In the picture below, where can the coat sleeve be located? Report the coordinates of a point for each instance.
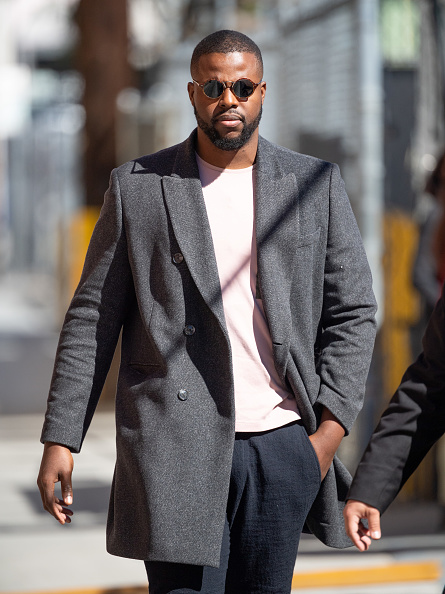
(424, 270)
(91, 328)
(412, 423)
(348, 319)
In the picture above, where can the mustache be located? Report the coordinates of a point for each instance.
(228, 112)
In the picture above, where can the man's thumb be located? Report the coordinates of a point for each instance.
(67, 490)
(374, 524)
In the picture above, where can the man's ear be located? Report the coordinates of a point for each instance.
(191, 92)
(263, 91)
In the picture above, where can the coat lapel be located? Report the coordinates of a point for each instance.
(185, 203)
(276, 226)
(277, 229)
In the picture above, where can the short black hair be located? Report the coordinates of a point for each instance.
(226, 42)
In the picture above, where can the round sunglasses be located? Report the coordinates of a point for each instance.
(241, 88)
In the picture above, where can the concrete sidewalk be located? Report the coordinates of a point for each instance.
(39, 555)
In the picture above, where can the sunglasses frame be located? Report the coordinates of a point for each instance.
(228, 84)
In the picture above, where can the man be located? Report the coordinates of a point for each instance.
(237, 272)
(412, 423)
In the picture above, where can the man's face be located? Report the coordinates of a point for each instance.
(227, 121)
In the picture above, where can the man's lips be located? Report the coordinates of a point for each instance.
(228, 120)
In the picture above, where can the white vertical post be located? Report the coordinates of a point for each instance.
(371, 145)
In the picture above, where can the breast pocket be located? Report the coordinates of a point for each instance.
(308, 275)
(309, 256)
(309, 239)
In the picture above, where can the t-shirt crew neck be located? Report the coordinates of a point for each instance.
(262, 402)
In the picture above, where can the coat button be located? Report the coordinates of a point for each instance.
(189, 330)
(178, 258)
(183, 395)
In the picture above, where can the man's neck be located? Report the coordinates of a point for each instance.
(239, 159)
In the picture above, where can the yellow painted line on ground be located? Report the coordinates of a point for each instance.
(123, 590)
(359, 576)
(380, 574)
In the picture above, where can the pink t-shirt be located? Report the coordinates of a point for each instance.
(261, 400)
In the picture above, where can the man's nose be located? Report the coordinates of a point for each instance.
(228, 97)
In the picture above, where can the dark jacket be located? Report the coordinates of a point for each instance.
(412, 423)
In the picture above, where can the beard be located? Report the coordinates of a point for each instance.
(224, 143)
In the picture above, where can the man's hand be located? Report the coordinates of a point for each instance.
(57, 465)
(353, 513)
(326, 440)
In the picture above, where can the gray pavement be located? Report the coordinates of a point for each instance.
(38, 555)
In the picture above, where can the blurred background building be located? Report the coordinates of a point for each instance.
(87, 85)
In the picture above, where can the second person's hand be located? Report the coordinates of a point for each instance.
(353, 513)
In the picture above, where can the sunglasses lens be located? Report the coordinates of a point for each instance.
(243, 88)
(213, 89)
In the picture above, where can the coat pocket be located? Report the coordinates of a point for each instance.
(143, 354)
(309, 239)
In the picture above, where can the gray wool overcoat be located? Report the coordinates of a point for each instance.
(151, 271)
